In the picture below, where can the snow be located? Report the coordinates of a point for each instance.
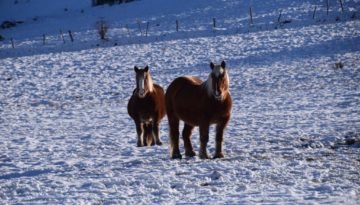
(294, 134)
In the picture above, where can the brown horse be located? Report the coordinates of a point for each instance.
(147, 107)
(200, 104)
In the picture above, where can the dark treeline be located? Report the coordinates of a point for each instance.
(111, 2)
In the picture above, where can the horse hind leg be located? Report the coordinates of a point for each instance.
(174, 137)
(148, 136)
(156, 133)
(189, 151)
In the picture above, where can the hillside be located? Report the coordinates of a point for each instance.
(294, 134)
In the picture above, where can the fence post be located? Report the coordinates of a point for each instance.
(44, 39)
(327, 7)
(147, 28)
(214, 22)
(128, 30)
(71, 36)
(140, 27)
(314, 12)
(62, 36)
(177, 25)
(342, 6)
(12, 43)
(279, 16)
(251, 17)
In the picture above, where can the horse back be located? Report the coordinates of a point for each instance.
(187, 83)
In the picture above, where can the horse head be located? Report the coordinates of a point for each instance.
(144, 82)
(218, 81)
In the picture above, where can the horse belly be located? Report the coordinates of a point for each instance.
(146, 119)
(190, 120)
(190, 114)
(146, 112)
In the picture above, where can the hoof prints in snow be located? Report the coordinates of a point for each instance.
(66, 137)
(30, 173)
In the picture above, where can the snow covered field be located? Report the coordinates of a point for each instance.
(294, 135)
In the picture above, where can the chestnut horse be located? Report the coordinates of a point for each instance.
(147, 107)
(200, 104)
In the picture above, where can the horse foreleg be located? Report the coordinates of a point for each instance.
(156, 133)
(174, 137)
(189, 151)
(148, 135)
(219, 140)
(140, 133)
(204, 138)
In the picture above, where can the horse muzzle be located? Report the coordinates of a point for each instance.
(218, 96)
(141, 93)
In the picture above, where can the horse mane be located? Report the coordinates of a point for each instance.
(150, 82)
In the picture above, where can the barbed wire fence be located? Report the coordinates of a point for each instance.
(139, 31)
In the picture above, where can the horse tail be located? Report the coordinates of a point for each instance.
(173, 120)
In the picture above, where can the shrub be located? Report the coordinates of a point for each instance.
(102, 28)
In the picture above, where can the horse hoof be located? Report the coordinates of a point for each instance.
(176, 156)
(218, 155)
(204, 156)
(190, 154)
(159, 143)
(139, 145)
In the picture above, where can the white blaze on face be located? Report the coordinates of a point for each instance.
(218, 70)
(216, 90)
(141, 86)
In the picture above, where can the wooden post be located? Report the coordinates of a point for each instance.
(147, 28)
(71, 36)
(44, 39)
(177, 25)
(128, 30)
(327, 7)
(62, 36)
(314, 12)
(279, 16)
(251, 17)
(342, 6)
(12, 43)
(140, 27)
(214, 22)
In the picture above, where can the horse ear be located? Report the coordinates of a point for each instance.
(212, 66)
(223, 64)
(146, 68)
(136, 69)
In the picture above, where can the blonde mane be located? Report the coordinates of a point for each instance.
(150, 83)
